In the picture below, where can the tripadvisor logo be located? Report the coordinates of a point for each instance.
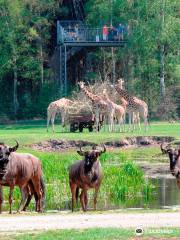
(139, 231)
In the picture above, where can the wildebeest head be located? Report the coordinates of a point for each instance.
(5, 151)
(174, 155)
(91, 156)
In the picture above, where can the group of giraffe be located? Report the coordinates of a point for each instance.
(103, 105)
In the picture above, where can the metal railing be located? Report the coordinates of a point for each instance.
(74, 33)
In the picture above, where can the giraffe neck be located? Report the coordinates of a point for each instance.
(106, 98)
(90, 95)
(124, 94)
(124, 103)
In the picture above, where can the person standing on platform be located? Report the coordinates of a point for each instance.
(120, 31)
(105, 32)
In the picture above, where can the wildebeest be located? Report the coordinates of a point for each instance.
(23, 170)
(174, 157)
(86, 174)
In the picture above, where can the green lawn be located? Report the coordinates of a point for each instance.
(98, 234)
(30, 132)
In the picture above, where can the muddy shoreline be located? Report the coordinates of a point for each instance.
(65, 145)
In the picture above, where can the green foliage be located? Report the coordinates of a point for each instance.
(25, 34)
(125, 183)
(28, 40)
(139, 62)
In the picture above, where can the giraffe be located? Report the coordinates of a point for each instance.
(134, 117)
(135, 106)
(114, 110)
(61, 106)
(98, 104)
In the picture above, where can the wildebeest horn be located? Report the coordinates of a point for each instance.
(81, 152)
(165, 148)
(80, 148)
(104, 150)
(13, 149)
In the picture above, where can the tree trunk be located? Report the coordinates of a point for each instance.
(15, 101)
(41, 63)
(162, 73)
(162, 82)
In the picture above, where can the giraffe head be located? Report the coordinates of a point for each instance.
(104, 93)
(81, 84)
(120, 83)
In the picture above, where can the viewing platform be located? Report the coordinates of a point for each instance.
(74, 38)
(77, 34)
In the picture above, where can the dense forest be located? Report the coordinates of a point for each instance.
(149, 62)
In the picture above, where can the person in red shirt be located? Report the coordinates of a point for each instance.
(105, 32)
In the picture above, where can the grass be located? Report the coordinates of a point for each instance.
(36, 132)
(129, 189)
(123, 185)
(98, 234)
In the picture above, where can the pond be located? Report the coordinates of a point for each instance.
(165, 195)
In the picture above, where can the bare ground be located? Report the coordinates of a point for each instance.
(64, 145)
(20, 223)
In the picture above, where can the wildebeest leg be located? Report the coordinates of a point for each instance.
(11, 198)
(31, 192)
(29, 197)
(73, 193)
(82, 200)
(95, 196)
(1, 198)
(24, 194)
(85, 199)
(37, 188)
(178, 182)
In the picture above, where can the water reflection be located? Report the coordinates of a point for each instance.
(165, 194)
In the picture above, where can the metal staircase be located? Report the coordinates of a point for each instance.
(62, 69)
(65, 53)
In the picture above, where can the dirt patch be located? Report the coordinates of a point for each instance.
(63, 145)
(155, 170)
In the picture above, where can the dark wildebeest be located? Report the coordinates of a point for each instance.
(86, 174)
(174, 157)
(23, 170)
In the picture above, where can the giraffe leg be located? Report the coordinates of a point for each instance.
(119, 124)
(144, 113)
(63, 120)
(112, 113)
(146, 124)
(48, 118)
(52, 119)
(134, 121)
(110, 123)
(124, 122)
(139, 122)
(97, 120)
(130, 116)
